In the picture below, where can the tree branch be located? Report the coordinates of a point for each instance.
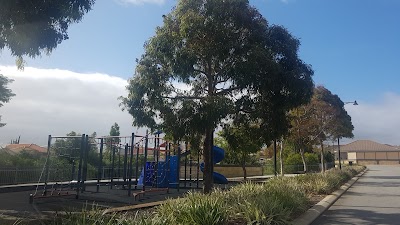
(224, 91)
(183, 97)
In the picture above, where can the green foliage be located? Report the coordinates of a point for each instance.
(270, 203)
(329, 157)
(293, 161)
(277, 201)
(30, 28)
(196, 209)
(321, 119)
(326, 183)
(241, 144)
(5, 92)
(311, 158)
(93, 216)
(203, 66)
(25, 159)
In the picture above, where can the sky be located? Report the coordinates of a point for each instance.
(352, 45)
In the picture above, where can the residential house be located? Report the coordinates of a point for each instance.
(14, 149)
(369, 152)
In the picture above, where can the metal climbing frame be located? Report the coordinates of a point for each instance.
(59, 176)
(143, 163)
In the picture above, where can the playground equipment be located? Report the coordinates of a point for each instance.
(137, 164)
(218, 156)
(60, 166)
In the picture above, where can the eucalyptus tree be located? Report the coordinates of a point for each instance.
(30, 28)
(5, 93)
(209, 61)
(323, 118)
(331, 119)
(290, 86)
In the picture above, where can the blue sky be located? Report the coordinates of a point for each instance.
(352, 45)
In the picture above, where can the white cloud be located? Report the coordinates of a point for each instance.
(141, 2)
(379, 121)
(52, 101)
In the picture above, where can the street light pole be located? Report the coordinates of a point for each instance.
(354, 103)
(338, 145)
(338, 142)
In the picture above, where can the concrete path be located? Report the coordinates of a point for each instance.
(373, 199)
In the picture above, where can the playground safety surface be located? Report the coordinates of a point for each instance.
(14, 203)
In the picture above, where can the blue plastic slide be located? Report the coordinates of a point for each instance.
(219, 155)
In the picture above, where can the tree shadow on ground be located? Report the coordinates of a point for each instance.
(357, 216)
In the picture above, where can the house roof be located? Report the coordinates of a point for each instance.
(367, 146)
(17, 148)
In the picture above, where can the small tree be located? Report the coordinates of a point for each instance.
(324, 117)
(110, 142)
(5, 93)
(242, 141)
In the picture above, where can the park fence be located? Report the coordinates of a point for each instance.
(31, 175)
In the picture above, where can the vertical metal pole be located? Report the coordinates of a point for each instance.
(275, 164)
(179, 167)
(168, 161)
(340, 159)
(119, 162)
(146, 144)
(85, 167)
(112, 166)
(198, 169)
(78, 183)
(46, 177)
(186, 156)
(155, 171)
(130, 164)
(190, 167)
(159, 175)
(125, 161)
(110, 146)
(137, 164)
(100, 164)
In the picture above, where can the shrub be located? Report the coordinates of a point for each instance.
(194, 209)
(278, 201)
(274, 202)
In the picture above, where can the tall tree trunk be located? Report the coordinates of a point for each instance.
(281, 158)
(304, 160)
(322, 157)
(208, 161)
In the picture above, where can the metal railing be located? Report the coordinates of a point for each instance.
(299, 168)
(31, 175)
(16, 175)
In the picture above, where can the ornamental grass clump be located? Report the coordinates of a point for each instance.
(326, 183)
(275, 202)
(196, 209)
(89, 217)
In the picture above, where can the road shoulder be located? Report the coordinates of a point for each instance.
(318, 209)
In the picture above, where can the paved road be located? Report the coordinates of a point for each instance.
(373, 199)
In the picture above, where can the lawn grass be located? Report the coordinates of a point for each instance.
(277, 201)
